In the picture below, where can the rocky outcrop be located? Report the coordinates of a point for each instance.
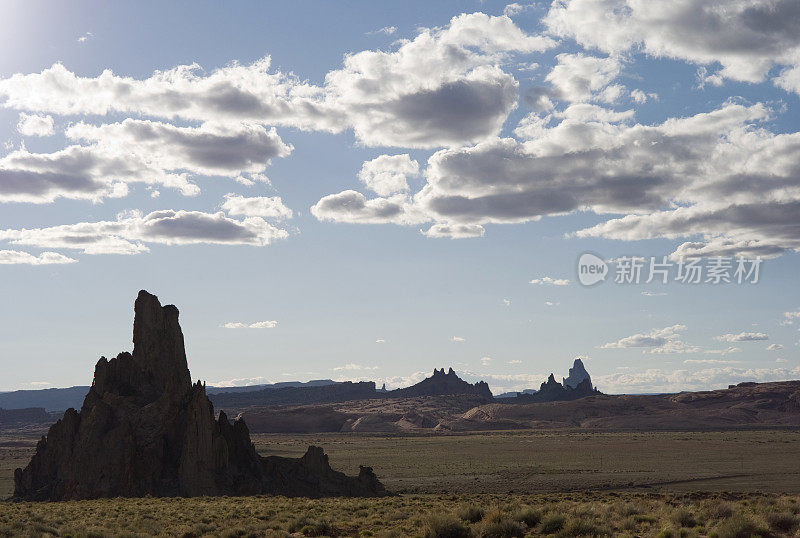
(145, 429)
(577, 374)
(553, 391)
(441, 384)
(30, 415)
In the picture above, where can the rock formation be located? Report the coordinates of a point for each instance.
(440, 384)
(553, 391)
(576, 374)
(145, 429)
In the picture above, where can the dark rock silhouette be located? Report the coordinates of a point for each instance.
(577, 374)
(441, 384)
(338, 392)
(30, 415)
(553, 391)
(145, 429)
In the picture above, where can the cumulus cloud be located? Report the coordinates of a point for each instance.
(254, 325)
(353, 367)
(790, 317)
(709, 361)
(774, 347)
(657, 341)
(353, 207)
(136, 151)
(229, 149)
(35, 125)
(454, 231)
(132, 231)
(659, 380)
(387, 174)
(256, 206)
(549, 281)
(742, 337)
(578, 77)
(606, 168)
(16, 257)
(486, 361)
(458, 339)
(445, 86)
(747, 38)
(232, 93)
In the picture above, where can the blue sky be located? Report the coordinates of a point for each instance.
(376, 197)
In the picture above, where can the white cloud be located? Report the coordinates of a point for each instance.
(780, 360)
(387, 174)
(578, 78)
(657, 341)
(723, 352)
(789, 317)
(233, 93)
(774, 347)
(458, 339)
(85, 37)
(16, 257)
(551, 303)
(386, 30)
(229, 149)
(658, 380)
(255, 325)
(515, 361)
(132, 231)
(454, 231)
(515, 9)
(258, 206)
(380, 341)
(506, 302)
(353, 207)
(240, 382)
(746, 37)
(136, 151)
(709, 361)
(486, 361)
(445, 86)
(353, 367)
(546, 280)
(742, 337)
(35, 125)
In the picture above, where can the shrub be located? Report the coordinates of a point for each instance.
(682, 517)
(470, 513)
(529, 517)
(445, 526)
(499, 526)
(583, 527)
(311, 528)
(552, 523)
(782, 521)
(740, 526)
(714, 510)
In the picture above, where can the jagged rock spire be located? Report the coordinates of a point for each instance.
(577, 374)
(144, 429)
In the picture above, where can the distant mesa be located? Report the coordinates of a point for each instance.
(442, 384)
(145, 429)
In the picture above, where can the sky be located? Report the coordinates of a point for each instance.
(371, 190)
